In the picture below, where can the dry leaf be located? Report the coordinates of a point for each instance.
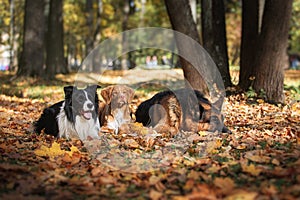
(155, 195)
(251, 169)
(131, 143)
(225, 184)
(241, 195)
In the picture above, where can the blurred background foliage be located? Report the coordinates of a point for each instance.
(109, 17)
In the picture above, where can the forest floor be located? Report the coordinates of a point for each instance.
(260, 159)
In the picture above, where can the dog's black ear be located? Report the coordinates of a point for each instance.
(68, 91)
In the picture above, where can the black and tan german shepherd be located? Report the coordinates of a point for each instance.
(182, 109)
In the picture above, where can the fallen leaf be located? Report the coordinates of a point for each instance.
(251, 169)
(155, 195)
(131, 143)
(54, 151)
(225, 184)
(256, 157)
(241, 195)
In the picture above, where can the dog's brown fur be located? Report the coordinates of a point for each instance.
(184, 109)
(115, 111)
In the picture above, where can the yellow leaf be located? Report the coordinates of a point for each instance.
(72, 150)
(212, 146)
(251, 169)
(241, 146)
(54, 150)
(202, 133)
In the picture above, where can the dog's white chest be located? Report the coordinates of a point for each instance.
(81, 128)
(118, 120)
(86, 128)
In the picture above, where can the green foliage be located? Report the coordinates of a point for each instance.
(4, 17)
(294, 41)
(108, 16)
(252, 94)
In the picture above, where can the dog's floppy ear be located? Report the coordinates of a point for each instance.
(68, 91)
(106, 94)
(130, 92)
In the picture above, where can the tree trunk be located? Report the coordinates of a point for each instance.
(89, 22)
(125, 17)
(182, 21)
(32, 56)
(271, 49)
(214, 35)
(55, 62)
(250, 33)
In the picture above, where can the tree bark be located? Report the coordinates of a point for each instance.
(271, 49)
(214, 35)
(89, 22)
(182, 21)
(55, 62)
(125, 17)
(250, 33)
(32, 56)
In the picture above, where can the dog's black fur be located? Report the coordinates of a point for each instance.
(183, 109)
(68, 110)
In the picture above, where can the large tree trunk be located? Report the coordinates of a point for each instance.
(32, 56)
(55, 62)
(250, 33)
(271, 49)
(214, 35)
(182, 21)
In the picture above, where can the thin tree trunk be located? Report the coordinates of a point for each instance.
(55, 62)
(250, 33)
(126, 11)
(32, 56)
(89, 22)
(214, 36)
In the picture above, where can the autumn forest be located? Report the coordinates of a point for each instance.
(149, 99)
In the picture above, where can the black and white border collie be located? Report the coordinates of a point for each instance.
(74, 117)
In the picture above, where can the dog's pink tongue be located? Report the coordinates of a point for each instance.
(87, 115)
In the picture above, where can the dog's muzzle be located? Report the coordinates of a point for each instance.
(87, 114)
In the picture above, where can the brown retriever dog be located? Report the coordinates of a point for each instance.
(115, 111)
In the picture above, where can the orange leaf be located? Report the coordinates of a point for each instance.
(225, 184)
(155, 195)
(241, 194)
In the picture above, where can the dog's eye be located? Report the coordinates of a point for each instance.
(90, 97)
(81, 99)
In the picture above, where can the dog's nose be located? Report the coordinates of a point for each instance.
(90, 105)
(122, 96)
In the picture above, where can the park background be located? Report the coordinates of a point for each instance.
(43, 43)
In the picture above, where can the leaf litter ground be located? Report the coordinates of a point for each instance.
(259, 160)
